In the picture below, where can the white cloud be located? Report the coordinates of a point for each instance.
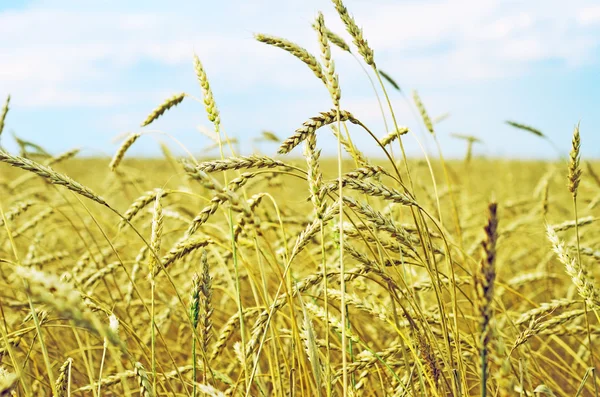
(79, 57)
(589, 15)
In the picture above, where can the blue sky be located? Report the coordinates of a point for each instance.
(82, 73)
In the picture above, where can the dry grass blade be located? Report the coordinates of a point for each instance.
(592, 173)
(441, 117)
(163, 107)
(389, 79)
(469, 138)
(527, 128)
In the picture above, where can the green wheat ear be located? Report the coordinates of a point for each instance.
(163, 107)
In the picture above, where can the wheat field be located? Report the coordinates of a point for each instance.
(296, 274)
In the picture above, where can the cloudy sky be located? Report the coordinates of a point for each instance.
(82, 73)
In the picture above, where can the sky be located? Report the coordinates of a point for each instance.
(83, 74)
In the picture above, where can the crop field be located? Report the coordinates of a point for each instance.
(297, 274)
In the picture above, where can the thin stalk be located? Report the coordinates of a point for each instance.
(235, 259)
(33, 313)
(194, 370)
(101, 366)
(342, 264)
(326, 307)
(585, 308)
(153, 336)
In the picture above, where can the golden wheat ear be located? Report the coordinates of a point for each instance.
(4, 113)
(574, 176)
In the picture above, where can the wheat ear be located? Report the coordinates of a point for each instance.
(335, 39)
(355, 32)
(296, 50)
(63, 381)
(143, 381)
(423, 112)
(51, 176)
(209, 99)
(4, 113)
(163, 107)
(332, 78)
(312, 125)
(578, 273)
(116, 160)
